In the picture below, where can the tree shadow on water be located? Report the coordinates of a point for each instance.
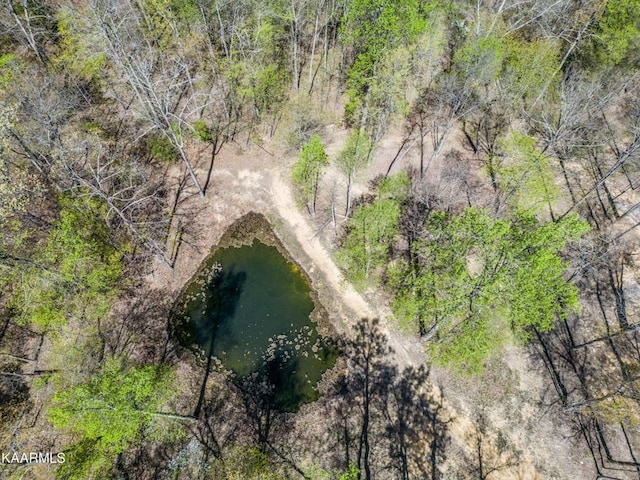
(270, 393)
(209, 301)
(216, 302)
(388, 423)
(280, 372)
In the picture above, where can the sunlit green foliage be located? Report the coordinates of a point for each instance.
(80, 51)
(525, 174)
(617, 32)
(532, 70)
(471, 343)
(355, 153)
(202, 131)
(522, 70)
(374, 25)
(255, 69)
(261, 88)
(372, 229)
(169, 23)
(350, 474)
(481, 58)
(85, 85)
(161, 148)
(8, 62)
(76, 274)
(167, 13)
(267, 88)
(429, 48)
(315, 473)
(374, 29)
(539, 294)
(110, 412)
(425, 296)
(475, 278)
(247, 463)
(308, 169)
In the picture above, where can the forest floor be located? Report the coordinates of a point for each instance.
(529, 444)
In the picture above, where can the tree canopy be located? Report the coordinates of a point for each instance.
(112, 410)
(473, 278)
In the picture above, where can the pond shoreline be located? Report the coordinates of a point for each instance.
(243, 231)
(189, 321)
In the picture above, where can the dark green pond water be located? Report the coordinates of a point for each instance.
(250, 308)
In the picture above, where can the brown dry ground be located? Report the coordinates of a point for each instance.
(248, 178)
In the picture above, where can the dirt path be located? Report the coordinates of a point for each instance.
(407, 350)
(287, 209)
(247, 180)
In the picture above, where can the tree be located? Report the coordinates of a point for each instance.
(30, 23)
(77, 45)
(350, 474)
(446, 100)
(352, 158)
(74, 276)
(110, 412)
(473, 279)
(524, 175)
(532, 71)
(371, 230)
(308, 169)
(615, 33)
(375, 30)
(426, 296)
(79, 157)
(159, 96)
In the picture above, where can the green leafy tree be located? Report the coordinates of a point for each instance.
(353, 158)
(69, 274)
(374, 29)
(525, 174)
(373, 228)
(110, 412)
(616, 33)
(8, 63)
(441, 280)
(481, 59)
(531, 71)
(75, 276)
(535, 288)
(476, 281)
(268, 87)
(171, 22)
(505, 68)
(350, 473)
(80, 49)
(249, 463)
(308, 169)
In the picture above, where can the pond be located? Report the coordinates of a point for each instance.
(250, 307)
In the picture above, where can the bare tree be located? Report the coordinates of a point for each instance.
(30, 23)
(158, 82)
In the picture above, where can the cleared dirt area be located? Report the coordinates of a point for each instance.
(525, 442)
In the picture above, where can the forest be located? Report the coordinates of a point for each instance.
(454, 181)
